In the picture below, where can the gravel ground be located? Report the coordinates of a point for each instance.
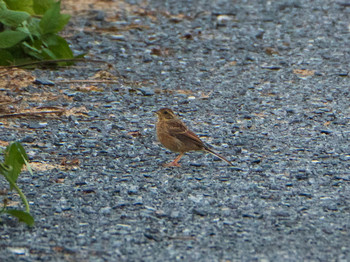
(266, 83)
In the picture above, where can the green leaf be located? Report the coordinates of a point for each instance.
(10, 38)
(17, 52)
(53, 21)
(3, 5)
(6, 57)
(29, 168)
(14, 158)
(20, 5)
(13, 18)
(22, 216)
(31, 27)
(57, 47)
(41, 6)
(4, 170)
(35, 46)
(25, 60)
(32, 50)
(48, 54)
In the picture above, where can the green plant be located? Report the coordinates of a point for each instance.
(14, 159)
(28, 32)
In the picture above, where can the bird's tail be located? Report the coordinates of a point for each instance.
(217, 155)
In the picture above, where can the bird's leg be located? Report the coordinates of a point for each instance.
(176, 160)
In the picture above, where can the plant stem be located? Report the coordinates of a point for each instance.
(22, 196)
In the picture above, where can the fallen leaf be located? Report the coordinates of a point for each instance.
(187, 36)
(70, 162)
(304, 72)
(15, 78)
(42, 166)
(4, 143)
(105, 75)
(76, 111)
(205, 96)
(134, 133)
(184, 92)
(58, 249)
(271, 51)
(233, 63)
(157, 51)
(176, 18)
(59, 180)
(85, 88)
(10, 203)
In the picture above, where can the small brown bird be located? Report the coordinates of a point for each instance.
(174, 135)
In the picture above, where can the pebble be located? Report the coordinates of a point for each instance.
(118, 37)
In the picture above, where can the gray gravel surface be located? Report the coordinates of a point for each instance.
(266, 83)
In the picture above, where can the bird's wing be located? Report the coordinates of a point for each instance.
(176, 127)
(181, 132)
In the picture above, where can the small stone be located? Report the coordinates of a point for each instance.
(302, 176)
(271, 67)
(223, 20)
(327, 132)
(105, 210)
(100, 16)
(18, 250)
(88, 210)
(118, 37)
(65, 208)
(146, 91)
(281, 213)
(199, 212)
(43, 82)
(343, 74)
(28, 139)
(133, 190)
(88, 190)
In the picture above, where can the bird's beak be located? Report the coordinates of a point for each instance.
(156, 112)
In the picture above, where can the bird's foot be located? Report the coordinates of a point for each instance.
(172, 164)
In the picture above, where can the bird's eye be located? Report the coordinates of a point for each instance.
(165, 112)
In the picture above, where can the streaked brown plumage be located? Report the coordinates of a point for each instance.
(174, 135)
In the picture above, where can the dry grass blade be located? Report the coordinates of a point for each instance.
(35, 113)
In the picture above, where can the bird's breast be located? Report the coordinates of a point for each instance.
(167, 140)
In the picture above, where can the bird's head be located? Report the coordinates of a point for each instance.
(165, 114)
